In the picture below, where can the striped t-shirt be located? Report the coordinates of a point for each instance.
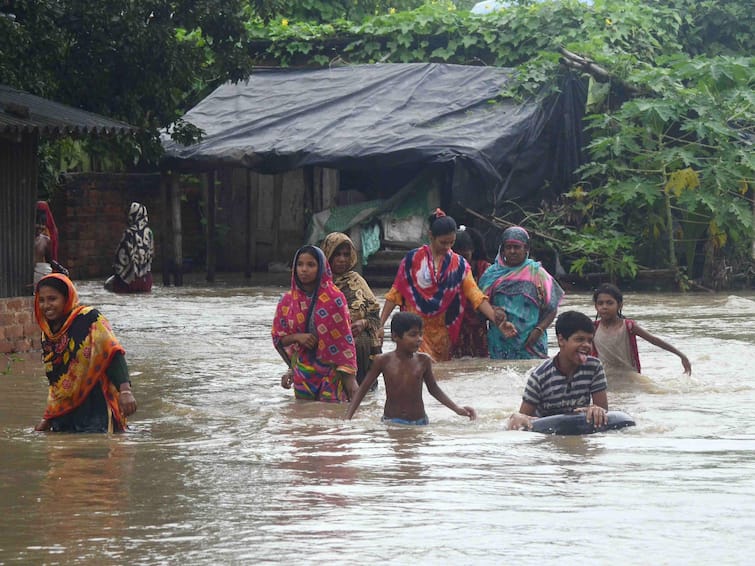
(553, 394)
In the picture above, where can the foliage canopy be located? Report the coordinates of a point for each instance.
(669, 167)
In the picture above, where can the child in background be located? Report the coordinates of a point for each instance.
(312, 333)
(570, 382)
(404, 371)
(473, 336)
(42, 249)
(616, 337)
(431, 281)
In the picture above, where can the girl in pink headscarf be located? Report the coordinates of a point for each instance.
(312, 332)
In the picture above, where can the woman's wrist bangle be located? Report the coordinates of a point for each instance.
(538, 328)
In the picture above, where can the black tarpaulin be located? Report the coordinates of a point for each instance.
(365, 117)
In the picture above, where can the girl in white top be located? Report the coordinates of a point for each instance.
(615, 340)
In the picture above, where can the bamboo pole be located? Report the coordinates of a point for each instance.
(166, 243)
(208, 192)
(251, 225)
(175, 214)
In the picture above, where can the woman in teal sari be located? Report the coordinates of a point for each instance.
(527, 292)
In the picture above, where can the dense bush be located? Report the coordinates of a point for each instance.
(669, 175)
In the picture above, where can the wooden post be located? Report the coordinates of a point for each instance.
(277, 206)
(252, 192)
(166, 243)
(175, 214)
(208, 188)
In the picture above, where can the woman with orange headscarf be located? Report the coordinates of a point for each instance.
(84, 362)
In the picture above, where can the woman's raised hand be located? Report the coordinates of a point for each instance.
(127, 402)
(500, 315)
(307, 340)
(503, 324)
(357, 327)
(287, 379)
(508, 329)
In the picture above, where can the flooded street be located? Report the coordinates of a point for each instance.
(222, 466)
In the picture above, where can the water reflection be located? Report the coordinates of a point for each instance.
(82, 497)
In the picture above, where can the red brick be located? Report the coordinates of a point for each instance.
(23, 345)
(14, 331)
(15, 303)
(25, 318)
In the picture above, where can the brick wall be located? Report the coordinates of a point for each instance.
(91, 213)
(19, 331)
(91, 210)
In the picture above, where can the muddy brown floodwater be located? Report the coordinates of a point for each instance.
(221, 466)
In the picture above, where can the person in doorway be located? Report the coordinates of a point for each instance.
(42, 248)
(132, 266)
(364, 308)
(405, 371)
(616, 336)
(46, 244)
(473, 336)
(89, 388)
(45, 217)
(312, 333)
(431, 282)
(573, 381)
(528, 294)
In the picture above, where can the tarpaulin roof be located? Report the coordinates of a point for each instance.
(22, 112)
(381, 116)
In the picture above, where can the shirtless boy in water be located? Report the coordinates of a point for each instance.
(405, 371)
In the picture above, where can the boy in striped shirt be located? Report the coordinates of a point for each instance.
(572, 381)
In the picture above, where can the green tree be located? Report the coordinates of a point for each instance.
(669, 175)
(675, 168)
(142, 61)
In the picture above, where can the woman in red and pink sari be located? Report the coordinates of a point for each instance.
(312, 332)
(430, 282)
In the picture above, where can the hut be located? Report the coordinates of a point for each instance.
(25, 119)
(287, 144)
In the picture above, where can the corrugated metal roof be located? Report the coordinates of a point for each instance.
(21, 112)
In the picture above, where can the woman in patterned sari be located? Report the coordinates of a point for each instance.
(132, 266)
(363, 306)
(85, 365)
(431, 281)
(312, 333)
(527, 292)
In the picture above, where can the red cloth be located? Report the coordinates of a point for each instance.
(325, 313)
(52, 228)
(432, 293)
